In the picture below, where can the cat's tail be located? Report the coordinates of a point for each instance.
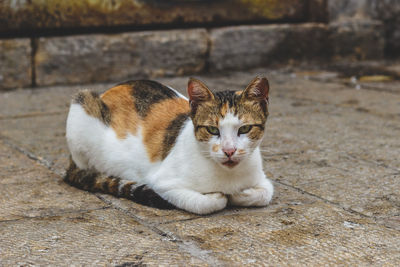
(96, 182)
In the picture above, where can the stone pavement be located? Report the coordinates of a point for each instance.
(332, 149)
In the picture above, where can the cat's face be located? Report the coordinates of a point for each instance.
(229, 125)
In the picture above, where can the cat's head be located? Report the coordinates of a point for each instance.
(229, 125)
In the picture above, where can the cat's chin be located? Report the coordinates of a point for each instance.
(230, 163)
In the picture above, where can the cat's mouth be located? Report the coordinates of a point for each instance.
(230, 163)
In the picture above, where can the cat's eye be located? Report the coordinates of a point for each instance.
(212, 130)
(244, 129)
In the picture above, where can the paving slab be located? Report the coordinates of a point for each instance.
(41, 135)
(39, 101)
(150, 215)
(348, 182)
(306, 233)
(355, 134)
(28, 189)
(103, 237)
(45, 221)
(343, 94)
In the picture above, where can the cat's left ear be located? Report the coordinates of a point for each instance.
(258, 89)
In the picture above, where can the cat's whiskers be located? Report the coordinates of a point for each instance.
(206, 154)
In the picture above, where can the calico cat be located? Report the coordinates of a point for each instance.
(198, 154)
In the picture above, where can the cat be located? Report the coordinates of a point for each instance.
(198, 154)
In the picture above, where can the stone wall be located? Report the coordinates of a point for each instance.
(15, 63)
(245, 47)
(386, 12)
(117, 57)
(40, 16)
(324, 30)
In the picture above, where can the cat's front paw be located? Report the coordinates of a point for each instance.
(254, 196)
(214, 202)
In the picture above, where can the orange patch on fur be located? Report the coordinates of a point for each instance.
(224, 109)
(238, 92)
(215, 148)
(113, 185)
(124, 118)
(157, 121)
(101, 184)
(240, 151)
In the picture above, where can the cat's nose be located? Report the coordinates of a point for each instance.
(229, 151)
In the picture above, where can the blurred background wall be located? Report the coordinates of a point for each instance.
(49, 42)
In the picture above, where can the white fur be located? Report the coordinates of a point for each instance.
(96, 146)
(191, 177)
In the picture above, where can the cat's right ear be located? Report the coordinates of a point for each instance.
(198, 93)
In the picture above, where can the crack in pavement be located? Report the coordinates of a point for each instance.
(349, 85)
(376, 220)
(264, 155)
(373, 162)
(32, 114)
(185, 245)
(81, 211)
(42, 161)
(372, 88)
